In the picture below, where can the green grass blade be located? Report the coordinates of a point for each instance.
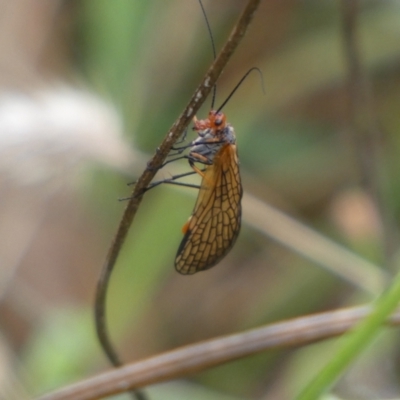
(354, 343)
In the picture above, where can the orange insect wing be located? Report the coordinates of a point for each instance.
(215, 222)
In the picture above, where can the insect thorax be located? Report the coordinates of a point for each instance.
(209, 142)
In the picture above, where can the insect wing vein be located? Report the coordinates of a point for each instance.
(215, 222)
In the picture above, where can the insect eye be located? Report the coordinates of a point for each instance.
(219, 119)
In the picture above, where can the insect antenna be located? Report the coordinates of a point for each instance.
(213, 50)
(239, 83)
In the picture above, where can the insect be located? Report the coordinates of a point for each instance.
(214, 225)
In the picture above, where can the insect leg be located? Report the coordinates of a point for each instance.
(196, 170)
(163, 164)
(172, 181)
(179, 150)
(183, 137)
(175, 159)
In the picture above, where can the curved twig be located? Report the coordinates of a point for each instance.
(200, 356)
(173, 134)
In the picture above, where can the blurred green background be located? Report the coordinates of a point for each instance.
(142, 60)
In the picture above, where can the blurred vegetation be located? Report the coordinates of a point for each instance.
(297, 153)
